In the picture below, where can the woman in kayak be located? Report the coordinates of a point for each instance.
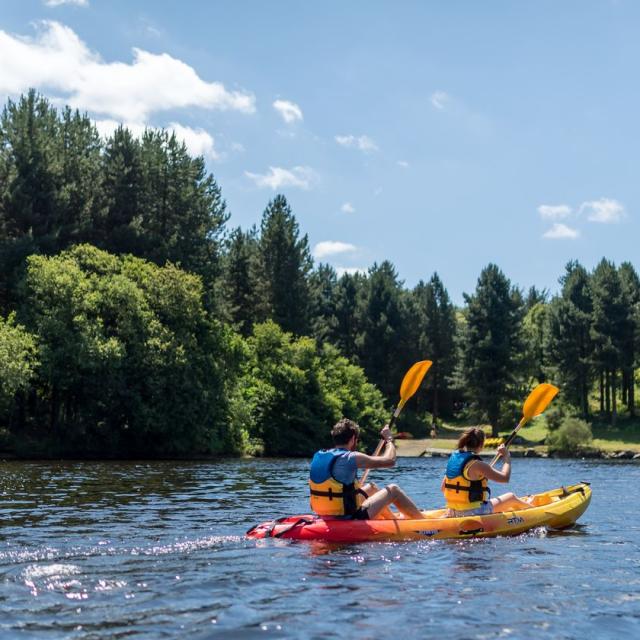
(333, 479)
(465, 485)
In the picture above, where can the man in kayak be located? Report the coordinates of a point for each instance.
(465, 485)
(333, 479)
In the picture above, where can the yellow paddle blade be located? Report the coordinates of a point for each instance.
(412, 380)
(539, 400)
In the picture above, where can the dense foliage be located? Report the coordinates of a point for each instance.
(134, 322)
(572, 436)
(292, 389)
(126, 347)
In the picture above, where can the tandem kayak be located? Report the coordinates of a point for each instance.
(555, 509)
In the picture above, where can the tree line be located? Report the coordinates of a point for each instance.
(133, 321)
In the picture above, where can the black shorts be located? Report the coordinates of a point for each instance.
(361, 514)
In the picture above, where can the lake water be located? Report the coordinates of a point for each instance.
(155, 550)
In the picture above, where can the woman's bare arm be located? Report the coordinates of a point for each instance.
(477, 469)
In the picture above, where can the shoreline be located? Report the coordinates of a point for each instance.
(420, 448)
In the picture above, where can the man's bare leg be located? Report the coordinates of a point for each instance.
(392, 494)
(371, 489)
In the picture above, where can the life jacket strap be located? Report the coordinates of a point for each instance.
(457, 487)
(475, 490)
(327, 494)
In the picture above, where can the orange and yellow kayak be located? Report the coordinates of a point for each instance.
(555, 509)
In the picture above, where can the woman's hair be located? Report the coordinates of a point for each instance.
(344, 430)
(472, 438)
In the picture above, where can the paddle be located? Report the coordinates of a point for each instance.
(534, 405)
(408, 387)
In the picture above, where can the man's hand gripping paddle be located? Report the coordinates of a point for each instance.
(409, 386)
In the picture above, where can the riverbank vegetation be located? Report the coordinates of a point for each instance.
(135, 322)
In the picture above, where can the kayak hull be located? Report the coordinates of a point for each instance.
(555, 509)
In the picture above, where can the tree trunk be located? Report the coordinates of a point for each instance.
(601, 391)
(614, 413)
(436, 407)
(54, 406)
(493, 415)
(631, 397)
(607, 394)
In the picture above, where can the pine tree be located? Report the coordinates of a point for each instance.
(381, 339)
(285, 264)
(78, 197)
(349, 304)
(535, 296)
(323, 283)
(569, 346)
(435, 319)
(31, 158)
(534, 326)
(630, 284)
(239, 280)
(608, 329)
(119, 227)
(491, 343)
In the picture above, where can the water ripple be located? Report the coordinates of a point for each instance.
(155, 549)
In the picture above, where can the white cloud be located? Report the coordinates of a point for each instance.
(198, 141)
(347, 207)
(561, 231)
(340, 271)
(107, 127)
(57, 3)
(403, 163)
(289, 111)
(440, 99)
(277, 177)
(364, 143)
(554, 211)
(604, 210)
(332, 248)
(57, 60)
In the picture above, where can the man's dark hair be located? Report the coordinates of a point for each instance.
(344, 430)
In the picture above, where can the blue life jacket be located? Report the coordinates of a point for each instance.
(460, 492)
(328, 497)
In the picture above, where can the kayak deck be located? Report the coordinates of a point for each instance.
(556, 509)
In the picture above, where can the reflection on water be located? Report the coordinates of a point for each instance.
(155, 549)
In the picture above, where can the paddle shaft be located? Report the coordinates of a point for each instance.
(510, 438)
(537, 401)
(408, 387)
(381, 444)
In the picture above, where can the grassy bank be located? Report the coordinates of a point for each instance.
(625, 436)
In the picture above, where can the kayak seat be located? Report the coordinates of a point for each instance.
(541, 500)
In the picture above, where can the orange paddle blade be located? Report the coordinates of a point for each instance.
(539, 400)
(412, 380)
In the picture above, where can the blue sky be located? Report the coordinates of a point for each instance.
(439, 135)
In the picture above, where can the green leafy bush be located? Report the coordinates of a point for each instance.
(130, 361)
(18, 360)
(557, 414)
(291, 391)
(572, 435)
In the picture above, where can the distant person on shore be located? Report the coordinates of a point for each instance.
(434, 431)
(465, 485)
(333, 479)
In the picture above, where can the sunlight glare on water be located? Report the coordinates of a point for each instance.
(157, 549)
